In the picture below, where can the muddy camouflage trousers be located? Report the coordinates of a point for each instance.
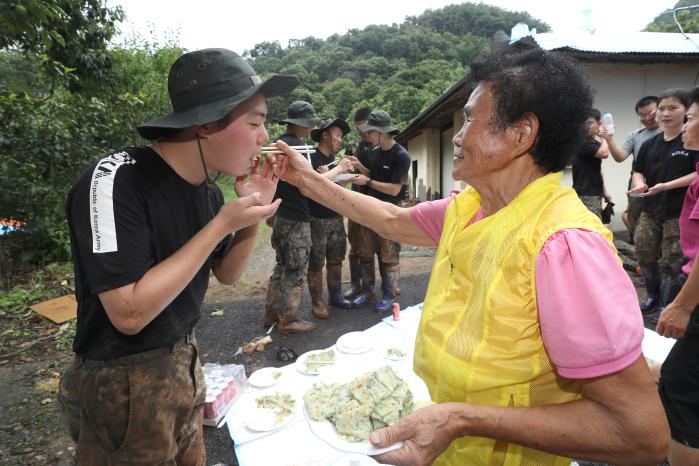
(658, 244)
(593, 204)
(328, 242)
(140, 409)
(291, 241)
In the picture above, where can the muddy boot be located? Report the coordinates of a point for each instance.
(355, 278)
(334, 277)
(315, 287)
(389, 285)
(652, 281)
(272, 303)
(382, 272)
(367, 294)
(289, 321)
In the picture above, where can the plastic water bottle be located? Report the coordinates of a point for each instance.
(608, 122)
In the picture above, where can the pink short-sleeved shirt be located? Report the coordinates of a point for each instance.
(588, 307)
(689, 224)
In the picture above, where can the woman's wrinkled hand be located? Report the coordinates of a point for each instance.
(425, 434)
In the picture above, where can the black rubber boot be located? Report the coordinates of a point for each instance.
(368, 280)
(355, 278)
(389, 285)
(334, 278)
(652, 281)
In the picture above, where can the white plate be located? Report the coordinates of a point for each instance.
(325, 430)
(638, 194)
(343, 177)
(300, 363)
(263, 419)
(352, 459)
(353, 343)
(265, 377)
(384, 352)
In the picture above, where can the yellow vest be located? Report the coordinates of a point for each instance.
(479, 339)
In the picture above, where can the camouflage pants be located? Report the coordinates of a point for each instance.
(354, 236)
(634, 212)
(291, 241)
(140, 409)
(658, 244)
(372, 243)
(593, 204)
(328, 242)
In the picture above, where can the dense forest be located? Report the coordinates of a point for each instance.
(69, 92)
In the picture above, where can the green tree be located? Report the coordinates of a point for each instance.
(688, 19)
(73, 33)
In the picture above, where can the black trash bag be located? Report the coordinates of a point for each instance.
(607, 213)
(285, 354)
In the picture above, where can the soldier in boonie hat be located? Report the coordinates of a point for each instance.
(205, 85)
(301, 113)
(147, 229)
(379, 121)
(327, 123)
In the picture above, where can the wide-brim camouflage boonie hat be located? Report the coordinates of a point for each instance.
(325, 124)
(303, 114)
(205, 85)
(379, 121)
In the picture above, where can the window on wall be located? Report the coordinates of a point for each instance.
(446, 159)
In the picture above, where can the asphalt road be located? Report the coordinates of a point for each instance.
(220, 336)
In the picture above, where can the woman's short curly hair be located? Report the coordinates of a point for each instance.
(546, 84)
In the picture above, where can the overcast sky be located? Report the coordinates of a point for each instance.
(239, 25)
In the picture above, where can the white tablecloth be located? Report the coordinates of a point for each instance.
(295, 444)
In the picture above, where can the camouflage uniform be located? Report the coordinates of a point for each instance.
(329, 242)
(658, 242)
(593, 204)
(109, 407)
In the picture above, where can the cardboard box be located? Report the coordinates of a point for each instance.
(58, 310)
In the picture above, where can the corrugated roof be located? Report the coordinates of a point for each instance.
(628, 42)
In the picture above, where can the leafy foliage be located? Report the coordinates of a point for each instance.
(74, 33)
(688, 19)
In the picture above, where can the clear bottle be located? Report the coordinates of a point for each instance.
(608, 123)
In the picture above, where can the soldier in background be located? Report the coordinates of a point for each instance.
(360, 149)
(327, 226)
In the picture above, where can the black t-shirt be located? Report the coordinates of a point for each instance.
(390, 166)
(294, 204)
(661, 161)
(363, 153)
(587, 170)
(319, 210)
(127, 213)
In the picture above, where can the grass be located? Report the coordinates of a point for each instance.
(25, 334)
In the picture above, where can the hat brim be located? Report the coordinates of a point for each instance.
(305, 122)
(381, 129)
(340, 123)
(213, 111)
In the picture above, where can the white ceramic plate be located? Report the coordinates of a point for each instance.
(265, 377)
(325, 430)
(343, 177)
(353, 343)
(263, 419)
(393, 357)
(354, 459)
(300, 363)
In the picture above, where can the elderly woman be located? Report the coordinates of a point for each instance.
(528, 359)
